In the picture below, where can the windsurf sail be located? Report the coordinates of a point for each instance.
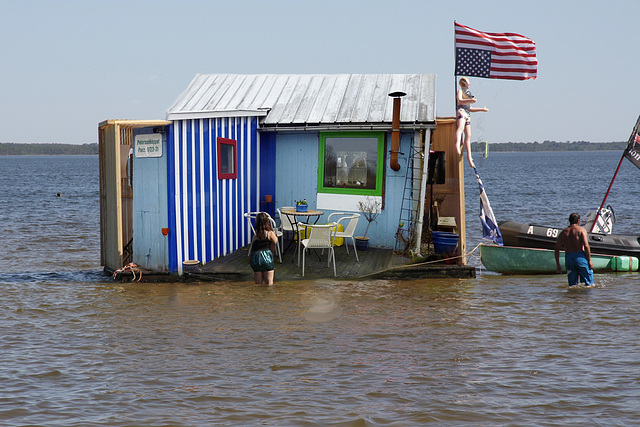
(490, 230)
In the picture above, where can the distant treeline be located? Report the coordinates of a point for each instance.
(549, 146)
(9, 148)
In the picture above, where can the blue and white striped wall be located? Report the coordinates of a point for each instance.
(205, 213)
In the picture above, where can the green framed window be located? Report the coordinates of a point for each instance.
(351, 163)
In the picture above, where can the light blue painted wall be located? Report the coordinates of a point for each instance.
(150, 247)
(382, 231)
(296, 168)
(297, 177)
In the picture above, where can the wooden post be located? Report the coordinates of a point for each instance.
(453, 188)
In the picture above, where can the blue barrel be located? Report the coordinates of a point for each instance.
(444, 242)
(448, 234)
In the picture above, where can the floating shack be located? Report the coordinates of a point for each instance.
(176, 190)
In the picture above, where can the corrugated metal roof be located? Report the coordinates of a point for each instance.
(308, 99)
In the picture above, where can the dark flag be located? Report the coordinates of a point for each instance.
(494, 55)
(632, 152)
(490, 230)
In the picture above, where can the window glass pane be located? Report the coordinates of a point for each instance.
(350, 163)
(226, 158)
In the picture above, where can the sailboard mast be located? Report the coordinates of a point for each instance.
(595, 221)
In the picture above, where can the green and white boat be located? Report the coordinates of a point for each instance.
(519, 260)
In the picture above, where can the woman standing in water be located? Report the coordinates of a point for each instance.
(262, 247)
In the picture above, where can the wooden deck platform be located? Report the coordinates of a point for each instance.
(374, 263)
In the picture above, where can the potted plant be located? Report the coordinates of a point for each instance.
(370, 208)
(301, 205)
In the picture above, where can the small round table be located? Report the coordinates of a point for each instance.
(292, 216)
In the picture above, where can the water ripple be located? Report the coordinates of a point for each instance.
(81, 350)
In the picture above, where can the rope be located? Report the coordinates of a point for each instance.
(438, 260)
(429, 262)
(131, 267)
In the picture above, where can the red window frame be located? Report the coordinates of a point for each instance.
(232, 142)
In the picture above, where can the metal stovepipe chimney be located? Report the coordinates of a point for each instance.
(395, 130)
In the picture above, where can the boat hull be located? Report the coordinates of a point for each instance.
(538, 236)
(519, 260)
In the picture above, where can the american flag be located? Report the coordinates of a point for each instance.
(494, 55)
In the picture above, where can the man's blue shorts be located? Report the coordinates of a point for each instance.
(578, 268)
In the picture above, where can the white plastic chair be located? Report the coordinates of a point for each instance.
(320, 237)
(285, 223)
(349, 230)
(278, 235)
(251, 216)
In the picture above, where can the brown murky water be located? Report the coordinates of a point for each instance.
(79, 349)
(491, 351)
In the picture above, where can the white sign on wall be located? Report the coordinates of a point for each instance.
(148, 145)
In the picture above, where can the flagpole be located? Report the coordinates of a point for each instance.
(455, 76)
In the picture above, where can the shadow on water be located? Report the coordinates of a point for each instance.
(55, 277)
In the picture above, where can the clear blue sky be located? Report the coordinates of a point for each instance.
(68, 65)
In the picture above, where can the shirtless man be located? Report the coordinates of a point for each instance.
(577, 257)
